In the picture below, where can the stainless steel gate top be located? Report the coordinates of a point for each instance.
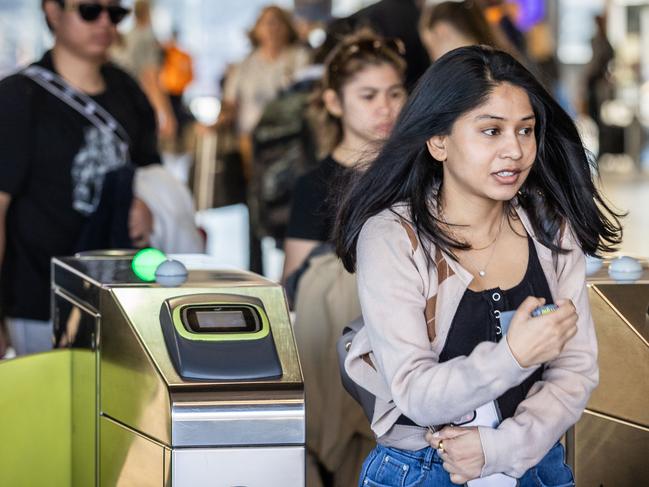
(208, 367)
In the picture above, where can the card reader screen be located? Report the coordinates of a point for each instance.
(208, 320)
(220, 319)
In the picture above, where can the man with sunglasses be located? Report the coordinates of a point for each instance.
(72, 127)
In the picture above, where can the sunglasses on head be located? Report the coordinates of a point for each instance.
(90, 12)
(376, 45)
(393, 46)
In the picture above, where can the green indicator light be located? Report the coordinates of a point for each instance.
(145, 263)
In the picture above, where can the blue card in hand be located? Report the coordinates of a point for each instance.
(505, 320)
(506, 316)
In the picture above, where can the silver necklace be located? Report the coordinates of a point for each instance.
(483, 272)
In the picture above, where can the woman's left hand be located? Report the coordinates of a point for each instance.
(461, 452)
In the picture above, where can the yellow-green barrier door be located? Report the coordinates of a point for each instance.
(35, 420)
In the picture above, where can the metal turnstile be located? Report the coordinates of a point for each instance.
(609, 446)
(195, 385)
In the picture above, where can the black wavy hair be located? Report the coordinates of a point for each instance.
(559, 188)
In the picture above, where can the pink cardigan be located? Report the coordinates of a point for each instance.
(408, 308)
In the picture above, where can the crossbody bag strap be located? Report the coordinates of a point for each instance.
(80, 102)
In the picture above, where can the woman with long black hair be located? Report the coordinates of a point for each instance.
(480, 203)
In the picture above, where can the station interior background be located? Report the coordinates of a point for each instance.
(214, 32)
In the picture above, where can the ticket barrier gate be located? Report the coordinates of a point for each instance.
(142, 416)
(195, 385)
(609, 446)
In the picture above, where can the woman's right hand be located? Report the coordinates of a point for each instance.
(534, 341)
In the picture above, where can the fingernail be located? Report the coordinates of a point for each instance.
(436, 434)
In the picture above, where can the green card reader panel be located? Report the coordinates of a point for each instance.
(221, 319)
(219, 337)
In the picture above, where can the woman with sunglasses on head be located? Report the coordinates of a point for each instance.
(361, 94)
(480, 203)
(71, 125)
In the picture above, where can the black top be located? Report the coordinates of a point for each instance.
(53, 163)
(313, 208)
(476, 320)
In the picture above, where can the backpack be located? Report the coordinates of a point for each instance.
(283, 149)
(176, 72)
(363, 397)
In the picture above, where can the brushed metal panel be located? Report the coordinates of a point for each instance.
(75, 283)
(75, 324)
(610, 454)
(632, 302)
(128, 459)
(229, 467)
(238, 423)
(131, 388)
(102, 254)
(104, 270)
(623, 391)
(142, 306)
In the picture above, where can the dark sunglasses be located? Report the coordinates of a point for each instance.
(90, 12)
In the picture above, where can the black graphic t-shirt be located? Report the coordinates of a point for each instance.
(53, 163)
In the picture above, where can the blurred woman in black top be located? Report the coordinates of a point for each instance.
(361, 96)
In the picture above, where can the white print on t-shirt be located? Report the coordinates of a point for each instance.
(100, 154)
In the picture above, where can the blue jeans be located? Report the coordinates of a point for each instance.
(551, 471)
(391, 467)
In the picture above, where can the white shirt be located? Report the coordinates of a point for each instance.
(257, 81)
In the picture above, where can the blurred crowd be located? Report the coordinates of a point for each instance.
(296, 122)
